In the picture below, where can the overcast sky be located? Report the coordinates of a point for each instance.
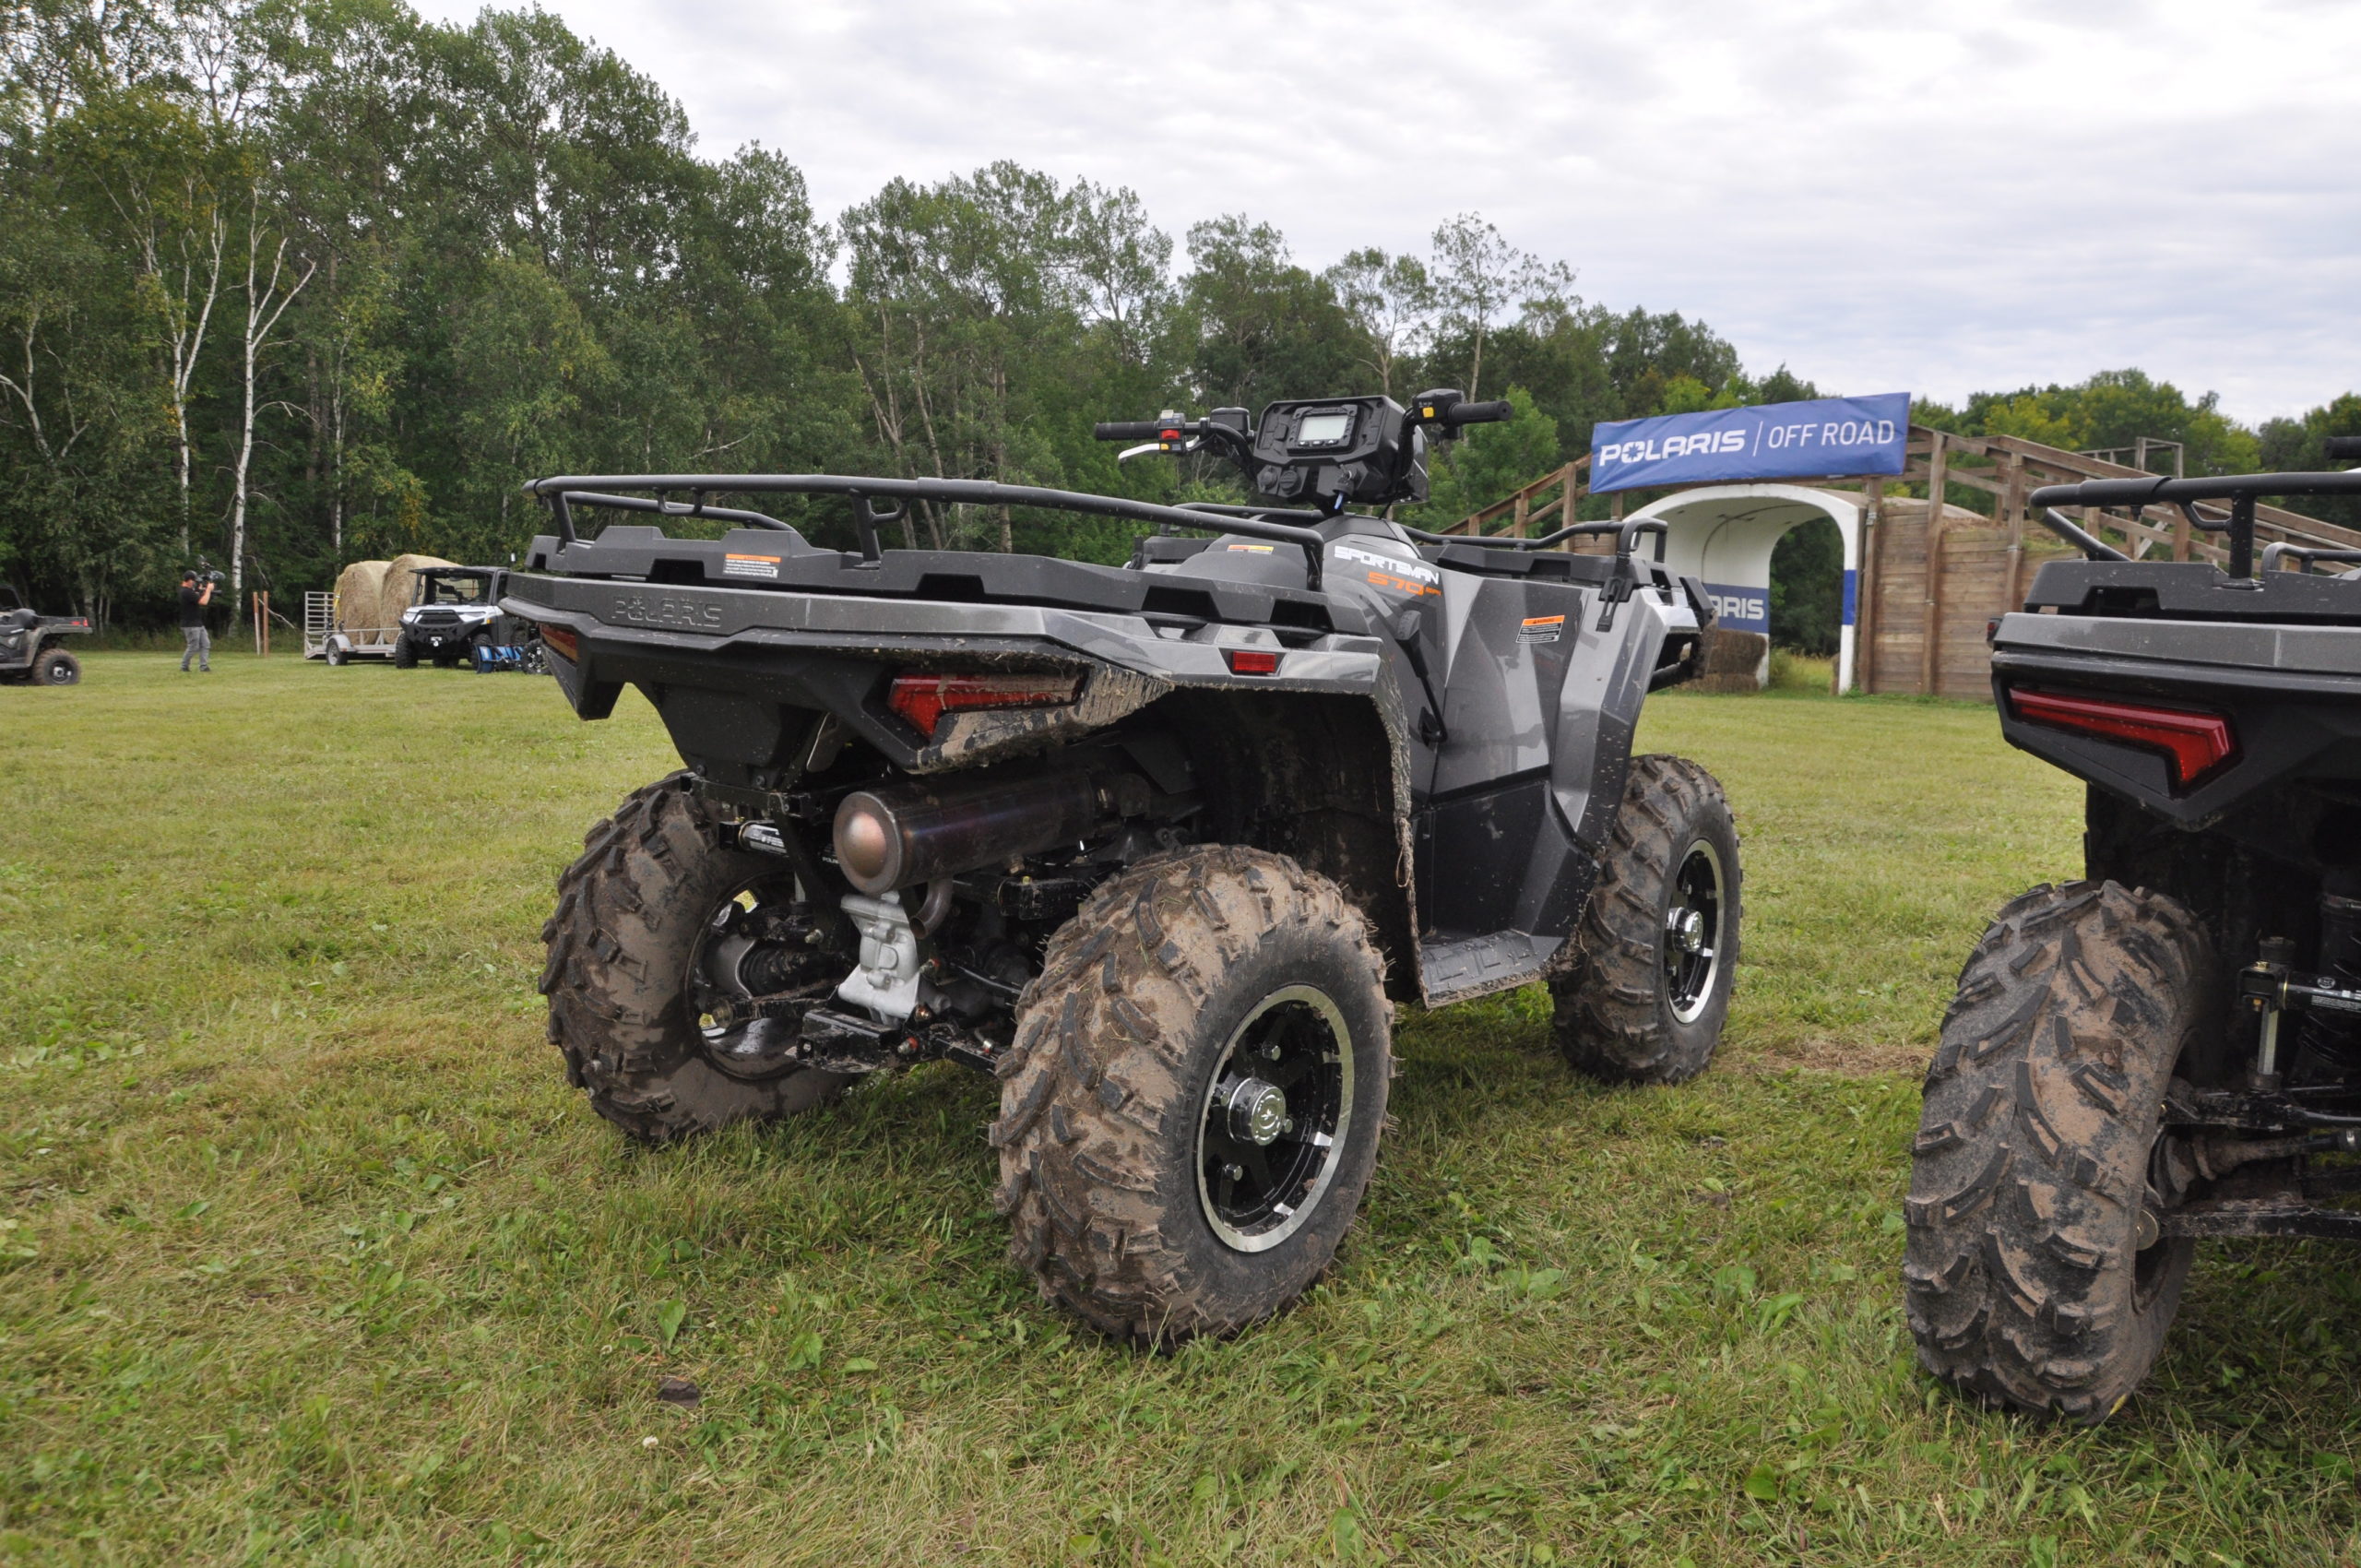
(1936, 198)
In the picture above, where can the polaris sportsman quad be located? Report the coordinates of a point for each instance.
(2170, 1048)
(29, 646)
(1158, 846)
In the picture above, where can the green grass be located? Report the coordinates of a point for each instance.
(307, 1254)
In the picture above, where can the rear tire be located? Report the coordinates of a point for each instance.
(1143, 1192)
(2024, 1279)
(629, 916)
(55, 667)
(1656, 952)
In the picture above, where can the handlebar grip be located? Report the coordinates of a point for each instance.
(1476, 413)
(2344, 448)
(1129, 430)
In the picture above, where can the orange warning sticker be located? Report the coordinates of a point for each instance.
(1541, 628)
(734, 566)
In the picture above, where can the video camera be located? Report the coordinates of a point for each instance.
(1323, 452)
(206, 573)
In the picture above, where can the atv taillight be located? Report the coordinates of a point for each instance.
(567, 646)
(1252, 662)
(2194, 744)
(924, 699)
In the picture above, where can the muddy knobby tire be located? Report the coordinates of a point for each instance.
(2023, 1280)
(1104, 1091)
(628, 916)
(1614, 1018)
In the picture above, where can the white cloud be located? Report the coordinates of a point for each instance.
(1882, 195)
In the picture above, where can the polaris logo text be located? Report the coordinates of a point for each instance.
(1740, 606)
(1652, 451)
(663, 609)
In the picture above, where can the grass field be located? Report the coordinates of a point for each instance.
(307, 1254)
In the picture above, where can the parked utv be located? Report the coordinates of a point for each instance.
(455, 616)
(1158, 846)
(29, 650)
(2171, 1047)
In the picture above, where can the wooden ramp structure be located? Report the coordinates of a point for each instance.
(1930, 580)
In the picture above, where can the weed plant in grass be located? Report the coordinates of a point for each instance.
(309, 1256)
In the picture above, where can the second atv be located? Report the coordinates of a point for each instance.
(28, 643)
(1159, 847)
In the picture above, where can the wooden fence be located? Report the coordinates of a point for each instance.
(1954, 577)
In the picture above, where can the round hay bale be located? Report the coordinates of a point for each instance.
(357, 590)
(400, 590)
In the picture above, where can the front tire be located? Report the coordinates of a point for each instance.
(2025, 1280)
(405, 656)
(632, 919)
(55, 667)
(1190, 1110)
(1656, 952)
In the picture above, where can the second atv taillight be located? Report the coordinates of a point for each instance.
(924, 699)
(2193, 743)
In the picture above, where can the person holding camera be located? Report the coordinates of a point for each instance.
(199, 641)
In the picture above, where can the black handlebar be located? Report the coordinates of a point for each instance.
(2344, 448)
(1476, 413)
(1132, 430)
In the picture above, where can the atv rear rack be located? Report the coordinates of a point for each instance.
(2241, 491)
(564, 492)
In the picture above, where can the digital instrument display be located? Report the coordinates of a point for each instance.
(1324, 429)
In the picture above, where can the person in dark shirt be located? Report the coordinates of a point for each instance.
(200, 642)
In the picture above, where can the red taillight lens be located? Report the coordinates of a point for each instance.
(2194, 744)
(1252, 662)
(567, 646)
(924, 699)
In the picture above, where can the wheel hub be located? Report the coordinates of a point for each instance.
(1258, 1111)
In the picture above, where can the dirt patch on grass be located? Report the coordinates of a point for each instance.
(1851, 1059)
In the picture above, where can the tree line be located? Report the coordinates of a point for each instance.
(287, 283)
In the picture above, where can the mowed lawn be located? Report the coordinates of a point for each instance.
(308, 1254)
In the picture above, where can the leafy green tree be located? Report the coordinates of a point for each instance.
(1260, 327)
(1807, 587)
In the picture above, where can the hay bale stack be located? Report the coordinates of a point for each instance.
(401, 588)
(357, 590)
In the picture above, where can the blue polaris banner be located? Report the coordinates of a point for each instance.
(1828, 436)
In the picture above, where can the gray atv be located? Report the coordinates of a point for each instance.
(1159, 847)
(30, 653)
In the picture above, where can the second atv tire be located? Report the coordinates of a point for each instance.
(1191, 1109)
(629, 916)
(1656, 952)
(2035, 1276)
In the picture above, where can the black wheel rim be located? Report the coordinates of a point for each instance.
(743, 984)
(1693, 934)
(1276, 1116)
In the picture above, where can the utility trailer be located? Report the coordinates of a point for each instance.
(323, 638)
